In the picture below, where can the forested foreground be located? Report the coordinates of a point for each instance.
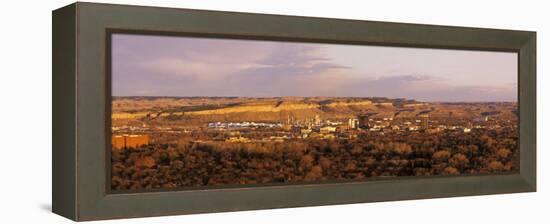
(407, 154)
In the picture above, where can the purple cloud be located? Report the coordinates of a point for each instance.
(180, 66)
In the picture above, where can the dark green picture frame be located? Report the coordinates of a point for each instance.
(81, 112)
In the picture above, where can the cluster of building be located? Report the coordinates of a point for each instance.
(244, 124)
(128, 128)
(420, 123)
(362, 122)
(293, 128)
(316, 127)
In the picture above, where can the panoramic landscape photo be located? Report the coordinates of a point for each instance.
(192, 112)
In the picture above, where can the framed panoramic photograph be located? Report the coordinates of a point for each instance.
(201, 111)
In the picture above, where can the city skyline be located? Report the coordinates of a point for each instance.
(183, 66)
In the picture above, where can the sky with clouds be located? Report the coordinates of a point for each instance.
(145, 65)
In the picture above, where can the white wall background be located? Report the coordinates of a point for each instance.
(25, 91)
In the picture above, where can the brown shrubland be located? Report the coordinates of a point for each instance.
(186, 163)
